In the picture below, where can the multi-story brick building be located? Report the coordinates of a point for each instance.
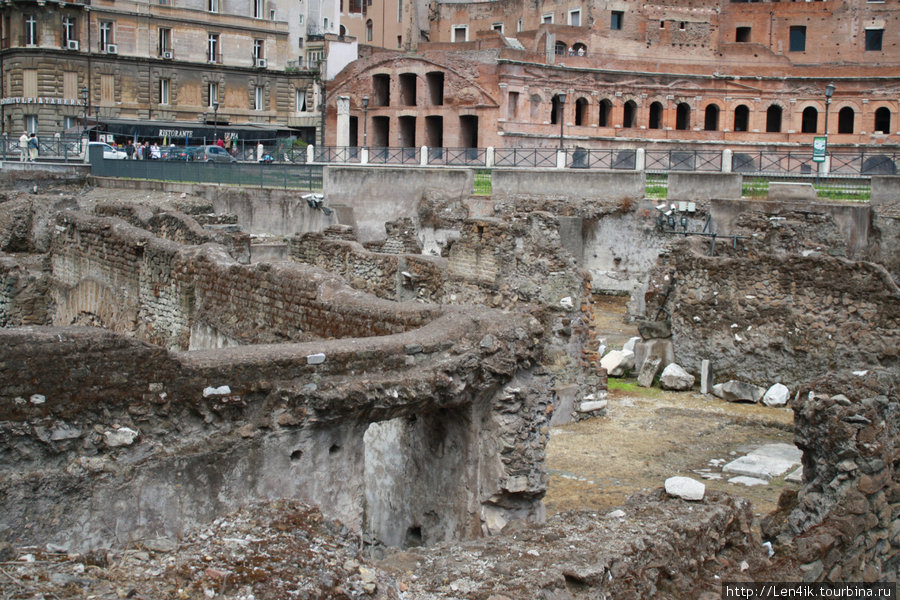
(154, 68)
(704, 74)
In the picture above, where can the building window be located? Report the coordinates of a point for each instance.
(605, 111)
(31, 31)
(547, 18)
(325, 25)
(845, 120)
(883, 120)
(69, 32)
(575, 18)
(809, 121)
(258, 98)
(615, 19)
(873, 39)
(369, 30)
(29, 83)
(662, 24)
(460, 33)
(682, 26)
(519, 25)
(742, 34)
(213, 55)
(313, 58)
(107, 90)
(272, 15)
(741, 118)
(106, 35)
(773, 119)
(258, 50)
(165, 41)
(212, 94)
(798, 38)
(512, 105)
(399, 11)
(399, 41)
(69, 122)
(498, 27)
(70, 85)
(257, 9)
(212, 6)
(629, 113)
(683, 116)
(31, 123)
(711, 118)
(300, 100)
(164, 91)
(355, 7)
(656, 110)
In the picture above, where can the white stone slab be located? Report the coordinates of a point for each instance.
(795, 476)
(771, 460)
(685, 488)
(748, 481)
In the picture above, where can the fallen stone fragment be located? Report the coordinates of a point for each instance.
(222, 390)
(738, 391)
(618, 362)
(123, 436)
(629, 345)
(315, 359)
(685, 488)
(675, 378)
(777, 395)
(795, 476)
(748, 481)
(771, 460)
(652, 330)
(648, 371)
(161, 545)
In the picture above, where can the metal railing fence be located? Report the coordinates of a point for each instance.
(247, 174)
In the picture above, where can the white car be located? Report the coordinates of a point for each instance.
(108, 151)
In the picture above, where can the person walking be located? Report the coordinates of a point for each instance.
(23, 147)
(32, 148)
(129, 150)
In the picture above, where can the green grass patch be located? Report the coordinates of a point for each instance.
(482, 182)
(630, 386)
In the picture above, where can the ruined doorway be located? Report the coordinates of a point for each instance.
(656, 110)
(415, 479)
(407, 132)
(381, 132)
(434, 131)
(468, 131)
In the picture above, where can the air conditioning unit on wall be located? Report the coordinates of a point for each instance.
(72, 45)
(112, 49)
(262, 63)
(167, 55)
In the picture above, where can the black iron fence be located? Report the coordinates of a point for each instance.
(247, 174)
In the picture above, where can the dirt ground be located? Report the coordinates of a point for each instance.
(649, 435)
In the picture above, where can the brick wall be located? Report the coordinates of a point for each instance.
(160, 288)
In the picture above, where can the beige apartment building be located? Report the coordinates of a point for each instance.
(154, 68)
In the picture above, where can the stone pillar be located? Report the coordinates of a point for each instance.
(311, 153)
(727, 156)
(640, 159)
(489, 157)
(343, 121)
(364, 156)
(561, 158)
(423, 156)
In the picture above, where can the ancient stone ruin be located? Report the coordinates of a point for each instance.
(165, 395)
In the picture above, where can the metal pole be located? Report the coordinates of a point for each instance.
(216, 121)
(365, 101)
(562, 115)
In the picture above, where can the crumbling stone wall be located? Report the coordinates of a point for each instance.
(843, 524)
(767, 317)
(24, 292)
(107, 439)
(163, 290)
(393, 276)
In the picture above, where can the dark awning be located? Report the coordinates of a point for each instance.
(179, 131)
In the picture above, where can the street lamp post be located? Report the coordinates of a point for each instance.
(215, 121)
(84, 101)
(562, 115)
(365, 121)
(829, 92)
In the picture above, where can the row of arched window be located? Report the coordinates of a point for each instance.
(740, 118)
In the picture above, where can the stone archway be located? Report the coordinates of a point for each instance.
(92, 303)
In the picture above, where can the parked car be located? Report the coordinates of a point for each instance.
(211, 153)
(108, 151)
(175, 153)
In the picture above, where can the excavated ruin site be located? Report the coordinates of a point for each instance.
(215, 392)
